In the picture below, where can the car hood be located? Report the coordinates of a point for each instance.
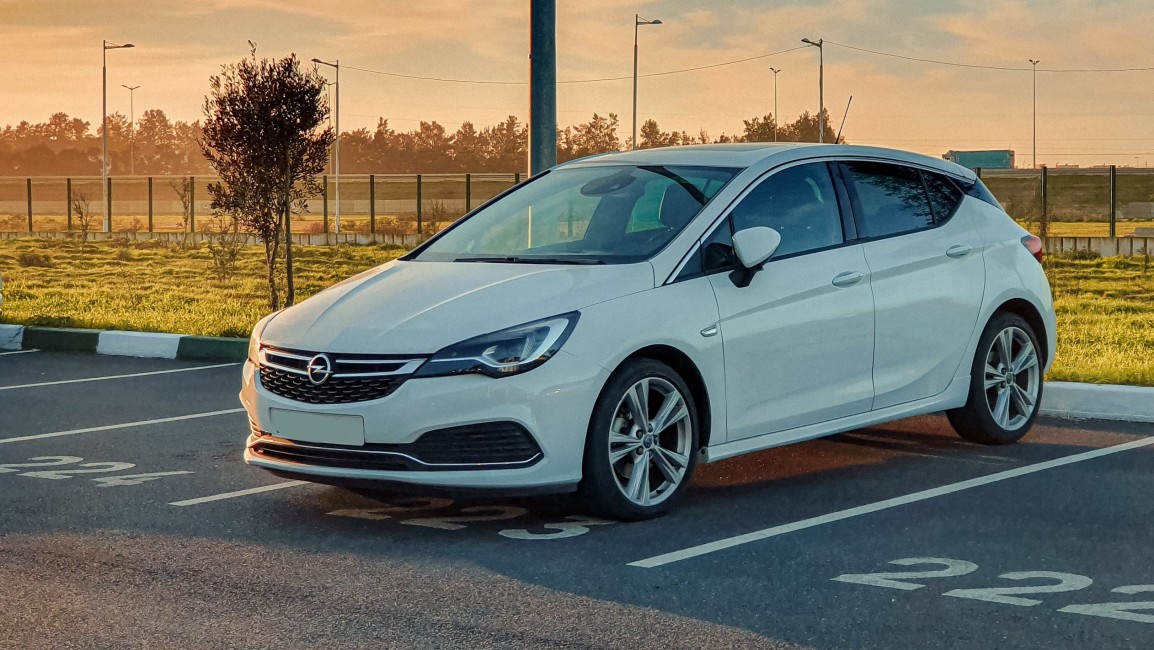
(421, 307)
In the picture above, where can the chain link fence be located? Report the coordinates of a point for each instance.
(1058, 202)
(369, 204)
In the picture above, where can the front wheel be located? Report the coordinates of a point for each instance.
(641, 446)
(1005, 384)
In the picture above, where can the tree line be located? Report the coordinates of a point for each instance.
(69, 146)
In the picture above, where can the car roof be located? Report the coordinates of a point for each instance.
(767, 154)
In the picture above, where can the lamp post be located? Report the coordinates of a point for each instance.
(131, 129)
(775, 71)
(820, 86)
(337, 166)
(104, 129)
(1035, 62)
(638, 21)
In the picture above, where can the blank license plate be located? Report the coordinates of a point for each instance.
(319, 427)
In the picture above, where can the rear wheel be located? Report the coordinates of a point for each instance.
(1005, 384)
(641, 446)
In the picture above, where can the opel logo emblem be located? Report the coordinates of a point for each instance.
(320, 368)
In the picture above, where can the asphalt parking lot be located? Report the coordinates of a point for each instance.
(130, 521)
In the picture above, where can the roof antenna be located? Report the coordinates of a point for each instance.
(837, 140)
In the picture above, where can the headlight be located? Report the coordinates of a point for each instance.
(254, 340)
(507, 352)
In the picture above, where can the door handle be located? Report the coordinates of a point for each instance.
(959, 250)
(847, 278)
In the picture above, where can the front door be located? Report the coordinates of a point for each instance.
(798, 341)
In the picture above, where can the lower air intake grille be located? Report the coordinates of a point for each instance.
(489, 445)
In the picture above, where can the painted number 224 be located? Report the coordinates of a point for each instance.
(90, 468)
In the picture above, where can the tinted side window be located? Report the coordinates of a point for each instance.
(945, 197)
(799, 203)
(892, 198)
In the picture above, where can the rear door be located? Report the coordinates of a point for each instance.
(927, 276)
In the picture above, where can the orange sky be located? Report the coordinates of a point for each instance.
(51, 50)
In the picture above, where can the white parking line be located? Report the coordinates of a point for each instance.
(126, 425)
(766, 533)
(239, 493)
(18, 352)
(135, 374)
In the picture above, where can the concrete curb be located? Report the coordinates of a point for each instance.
(1098, 401)
(1059, 399)
(129, 344)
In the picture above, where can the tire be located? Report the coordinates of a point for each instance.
(1005, 384)
(666, 447)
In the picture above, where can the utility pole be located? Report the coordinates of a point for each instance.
(819, 44)
(775, 120)
(542, 85)
(1035, 74)
(131, 129)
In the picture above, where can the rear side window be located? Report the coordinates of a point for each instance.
(892, 198)
(945, 197)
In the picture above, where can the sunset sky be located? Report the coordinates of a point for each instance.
(51, 50)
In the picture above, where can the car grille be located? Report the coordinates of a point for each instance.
(489, 445)
(351, 378)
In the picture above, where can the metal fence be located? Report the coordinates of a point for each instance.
(1057, 202)
(369, 203)
(1077, 202)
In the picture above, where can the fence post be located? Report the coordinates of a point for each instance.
(68, 203)
(468, 192)
(29, 204)
(150, 204)
(418, 204)
(372, 204)
(192, 204)
(1044, 220)
(108, 205)
(1113, 200)
(516, 178)
(978, 172)
(325, 201)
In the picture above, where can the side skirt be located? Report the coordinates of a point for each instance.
(953, 397)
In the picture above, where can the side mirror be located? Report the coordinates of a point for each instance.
(753, 246)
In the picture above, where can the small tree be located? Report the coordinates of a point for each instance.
(262, 135)
(82, 208)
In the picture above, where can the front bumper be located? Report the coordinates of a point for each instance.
(552, 403)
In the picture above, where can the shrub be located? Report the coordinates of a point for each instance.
(32, 258)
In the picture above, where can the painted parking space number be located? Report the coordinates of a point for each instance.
(34, 469)
(1056, 582)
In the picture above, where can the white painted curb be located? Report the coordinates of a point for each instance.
(11, 336)
(1100, 402)
(138, 344)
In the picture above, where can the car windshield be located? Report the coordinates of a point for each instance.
(602, 214)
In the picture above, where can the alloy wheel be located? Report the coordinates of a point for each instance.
(649, 441)
(1012, 378)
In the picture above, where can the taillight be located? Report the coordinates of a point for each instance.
(1034, 245)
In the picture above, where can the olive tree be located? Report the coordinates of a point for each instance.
(263, 136)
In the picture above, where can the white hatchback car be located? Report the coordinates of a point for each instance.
(611, 322)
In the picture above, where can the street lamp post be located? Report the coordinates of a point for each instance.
(820, 86)
(637, 22)
(775, 71)
(104, 129)
(131, 129)
(337, 166)
(1035, 75)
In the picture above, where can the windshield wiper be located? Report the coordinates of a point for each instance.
(527, 259)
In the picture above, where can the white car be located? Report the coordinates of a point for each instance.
(610, 323)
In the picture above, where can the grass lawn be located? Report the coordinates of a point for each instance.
(149, 286)
(1105, 310)
(1105, 306)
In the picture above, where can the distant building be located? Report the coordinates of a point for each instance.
(989, 159)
